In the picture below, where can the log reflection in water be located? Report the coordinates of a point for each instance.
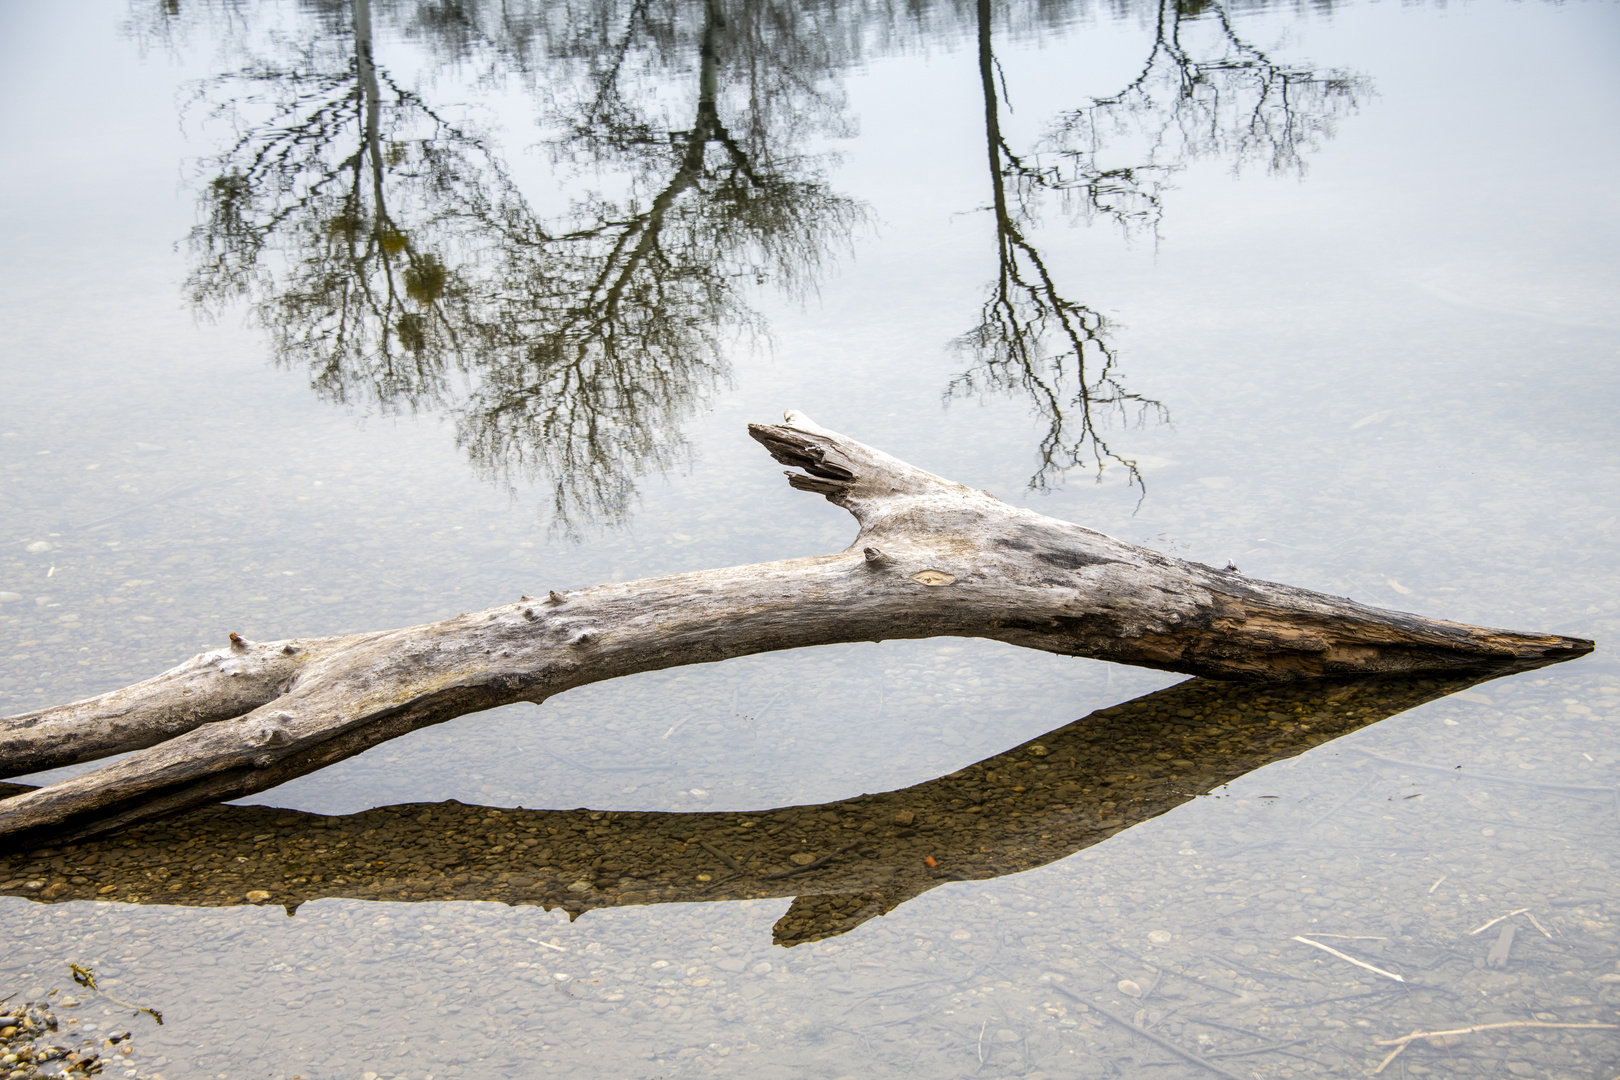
(844, 862)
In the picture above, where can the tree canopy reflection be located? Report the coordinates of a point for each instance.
(390, 254)
(383, 242)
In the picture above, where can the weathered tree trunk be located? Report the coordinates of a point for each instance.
(933, 558)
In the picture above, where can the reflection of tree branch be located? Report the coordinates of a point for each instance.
(1026, 310)
(1240, 104)
(630, 332)
(361, 303)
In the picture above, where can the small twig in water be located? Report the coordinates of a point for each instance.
(1485, 1027)
(722, 856)
(1436, 885)
(1496, 920)
(1157, 975)
(1180, 1052)
(87, 979)
(1341, 804)
(1242, 1053)
(1490, 778)
(1257, 1049)
(184, 489)
(1393, 1054)
(1348, 958)
(806, 868)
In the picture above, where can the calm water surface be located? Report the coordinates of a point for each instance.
(327, 317)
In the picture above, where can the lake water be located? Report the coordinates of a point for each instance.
(1343, 282)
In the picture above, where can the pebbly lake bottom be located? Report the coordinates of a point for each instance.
(1082, 942)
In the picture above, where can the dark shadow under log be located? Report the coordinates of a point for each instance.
(844, 862)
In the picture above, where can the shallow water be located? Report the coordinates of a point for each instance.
(1385, 354)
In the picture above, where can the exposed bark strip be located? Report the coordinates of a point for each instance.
(933, 558)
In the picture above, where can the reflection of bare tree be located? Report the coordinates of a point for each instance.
(1203, 92)
(385, 248)
(1025, 311)
(360, 189)
(619, 315)
(1031, 339)
(389, 254)
(1011, 346)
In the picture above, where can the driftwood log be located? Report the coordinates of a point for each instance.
(932, 558)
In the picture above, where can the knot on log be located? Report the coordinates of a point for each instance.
(876, 558)
(274, 734)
